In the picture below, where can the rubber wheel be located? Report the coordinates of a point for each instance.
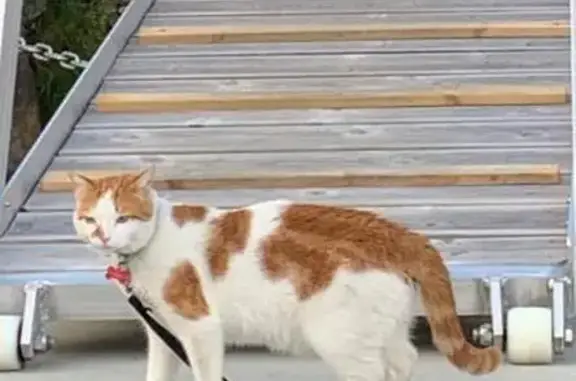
(10, 355)
(529, 335)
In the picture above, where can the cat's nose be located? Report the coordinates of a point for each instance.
(105, 240)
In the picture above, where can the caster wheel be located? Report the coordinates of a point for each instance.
(529, 335)
(10, 356)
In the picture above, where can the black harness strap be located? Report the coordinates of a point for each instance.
(169, 339)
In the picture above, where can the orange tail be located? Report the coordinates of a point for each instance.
(438, 301)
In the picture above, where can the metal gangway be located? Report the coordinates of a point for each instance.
(452, 116)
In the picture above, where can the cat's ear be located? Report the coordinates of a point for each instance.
(145, 177)
(79, 179)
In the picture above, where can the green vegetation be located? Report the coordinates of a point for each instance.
(75, 25)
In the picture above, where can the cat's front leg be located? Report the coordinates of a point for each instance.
(204, 345)
(162, 362)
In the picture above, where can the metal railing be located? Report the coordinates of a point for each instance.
(571, 229)
(10, 19)
(72, 107)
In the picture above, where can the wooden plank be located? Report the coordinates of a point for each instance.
(463, 96)
(343, 63)
(339, 32)
(45, 256)
(224, 165)
(135, 50)
(343, 84)
(438, 220)
(352, 196)
(73, 256)
(94, 119)
(204, 8)
(362, 82)
(317, 138)
(457, 175)
(358, 17)
(392, 4)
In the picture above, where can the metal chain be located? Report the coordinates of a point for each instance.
(121, 6)
(44, 52)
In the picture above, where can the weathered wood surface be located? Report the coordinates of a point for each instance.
(359, 4)
(352, 197)
(327, 117)
(70, 255)
(191, 166)
(457, 96)
(479, 45)
(336, 64)
(55, 181)
(359, 17)
(524, 223)
(202, 7)
(541, 81)
(352, 16)
(317, 138)
(444, 220)
(366, 28)
(48, 256)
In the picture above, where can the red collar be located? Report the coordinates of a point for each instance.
(120, 274)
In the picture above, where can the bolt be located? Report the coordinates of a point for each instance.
(483, 334)
(475, 334)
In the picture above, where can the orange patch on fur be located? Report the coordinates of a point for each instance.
(130, 198)
(308, 260)
(181, 214)
(183, 291)
(229, 235)
(314, 241)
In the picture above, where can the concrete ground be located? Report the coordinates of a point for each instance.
(115, 351)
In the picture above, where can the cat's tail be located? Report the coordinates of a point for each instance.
(438, 300)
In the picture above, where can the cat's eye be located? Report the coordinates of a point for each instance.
(89, 220)
(122, 219)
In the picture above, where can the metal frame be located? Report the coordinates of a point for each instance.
(10, 19)
(571, 232)
(37, 312)
(40, 156)
(80, 295)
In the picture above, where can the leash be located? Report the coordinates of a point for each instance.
(166, 336)
(121, 278)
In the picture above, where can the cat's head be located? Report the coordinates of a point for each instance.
(115, 213)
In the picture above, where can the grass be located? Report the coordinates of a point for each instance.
(75, 25)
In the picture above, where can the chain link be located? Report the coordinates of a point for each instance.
(44, 52)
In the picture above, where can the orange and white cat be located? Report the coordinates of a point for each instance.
(299, 278)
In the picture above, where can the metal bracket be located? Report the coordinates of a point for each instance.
(569, 223)
(492, 333)
(496, 310)
(37, 312)
(562, 335)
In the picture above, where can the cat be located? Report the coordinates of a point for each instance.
(300, 278)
